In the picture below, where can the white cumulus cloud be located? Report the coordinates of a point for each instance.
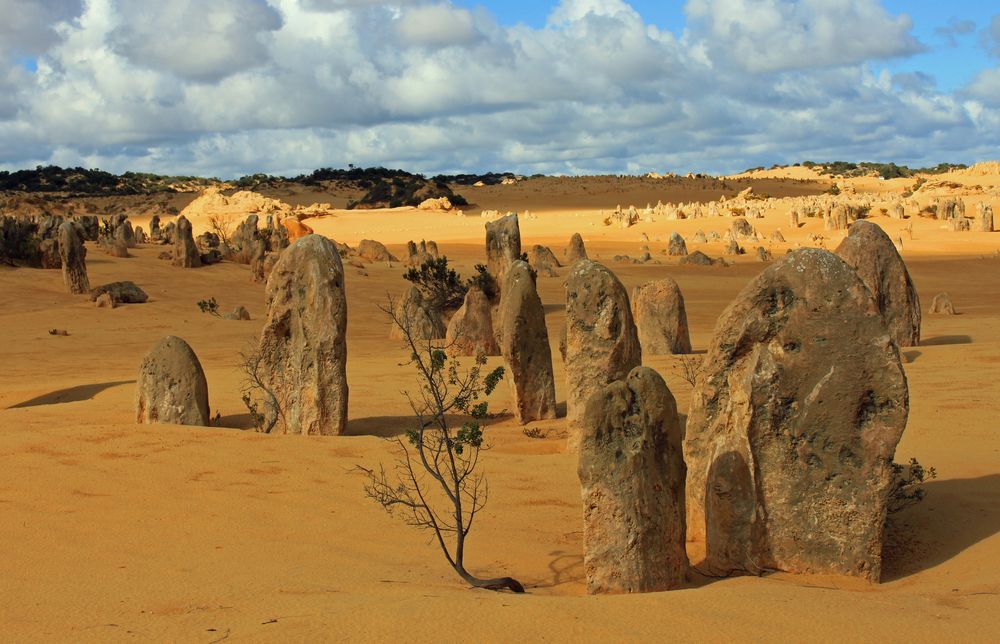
(284, 86)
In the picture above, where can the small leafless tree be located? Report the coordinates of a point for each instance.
(435, 484)
(222, 226)
(265, 408)
(687, 367)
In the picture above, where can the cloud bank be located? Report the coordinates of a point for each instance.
(283, 86)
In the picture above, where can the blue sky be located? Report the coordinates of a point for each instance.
(953, 59)
(235, 87)
(666, 15)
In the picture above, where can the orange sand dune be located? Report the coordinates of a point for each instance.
(113, 531)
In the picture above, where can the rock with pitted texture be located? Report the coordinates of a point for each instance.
(984, 218)
(793, 425)
(734, 248)
(677, 247)
(602, 344)
(524, 343)
(186, 253)
(73, 256)
(659, 314)
(105, 301)
(245, 241)
(941, 305)
(375, 251)
(304, 340)
(872, 254)
(741, 229)
(503, 245)
(257, 254)
(239, 313)
(470, 330)
(543, 260)
(415, 313)
(48, 251)
(576, 250)
(124, 292)
(632, 475)
(171, 387)
(698, 258)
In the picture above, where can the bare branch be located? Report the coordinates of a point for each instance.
(450, 458)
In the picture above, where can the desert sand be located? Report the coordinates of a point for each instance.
(114, 531)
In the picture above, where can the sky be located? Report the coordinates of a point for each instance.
(232, 87)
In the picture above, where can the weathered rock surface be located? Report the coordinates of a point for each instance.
(872, 254)
(524, 344)
(212, 256)
(698, 258)
(417, 254)
(73, 256)
(984, 218)
(105, 301)
(48, 250)
(245, 241)
(543, 260)
(734, 248)
(793, 424)
(602, 344)
(375, 251)
(295, 229)
(470, 330)
(257, 254)
(503, 245)
(186, 253)
(239, 313)
(741, 229)
(116, 248)
(941, 305)
(269, 262)
(171, 387)
(677, 247)
(659, 314)
(304, 340)
(632, 475)
(124, 292)
(424, 323)
(576, 250)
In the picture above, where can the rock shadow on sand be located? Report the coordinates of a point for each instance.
(955, 515)
(946, 339)
(234, 421)
(392, 426)
(71, 394)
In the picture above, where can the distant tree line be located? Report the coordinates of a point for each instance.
(90, 182)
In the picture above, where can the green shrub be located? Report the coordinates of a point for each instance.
(907, 485)
(442, 287)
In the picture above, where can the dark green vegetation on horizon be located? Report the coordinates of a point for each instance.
(866, 168)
